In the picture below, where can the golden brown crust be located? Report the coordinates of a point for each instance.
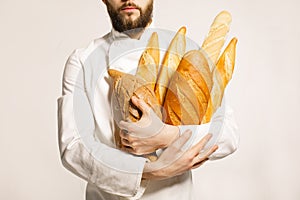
(189, 90)
(221, 76)
(170, 63)
(149, 62)
(127, 85)
(115, 75)
(215, 39)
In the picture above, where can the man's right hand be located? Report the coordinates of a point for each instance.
(175, 160)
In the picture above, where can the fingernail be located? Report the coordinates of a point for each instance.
(209, 135)
(188, 133)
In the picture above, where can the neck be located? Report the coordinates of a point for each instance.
(137, 33)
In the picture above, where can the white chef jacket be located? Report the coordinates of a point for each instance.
(86, 125)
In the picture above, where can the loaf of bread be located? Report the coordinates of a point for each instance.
(149, 62)
(170, 63)
(216, 36)
(196, 89)
(221, 76)
(189, 90)
(124, 87)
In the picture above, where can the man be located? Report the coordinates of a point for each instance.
(86, 125)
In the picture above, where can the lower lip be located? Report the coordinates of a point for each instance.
(129, 9)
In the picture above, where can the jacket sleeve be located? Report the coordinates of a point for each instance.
(111, 170)
(223, 128)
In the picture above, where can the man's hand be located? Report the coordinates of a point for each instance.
(148, 134)
(175, 160)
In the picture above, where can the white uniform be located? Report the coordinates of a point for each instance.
(86, 124)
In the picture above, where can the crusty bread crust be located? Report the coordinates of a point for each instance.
(189, 90)
(170, 63)
(216, 36)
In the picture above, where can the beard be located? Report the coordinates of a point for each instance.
(121, 24)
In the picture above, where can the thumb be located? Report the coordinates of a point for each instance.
(141, 104)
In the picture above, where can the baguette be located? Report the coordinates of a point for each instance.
(189, 90)
(215, 39)
(222, 74)
(170, 63)
(149, 62)
(126, 86)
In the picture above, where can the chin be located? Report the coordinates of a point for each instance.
(131, 18)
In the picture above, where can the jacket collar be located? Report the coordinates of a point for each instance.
(118, 35)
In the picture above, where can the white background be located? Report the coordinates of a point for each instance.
(38, 36)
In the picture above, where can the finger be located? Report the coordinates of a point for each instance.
(199, 163)
(125, 142)
(141, 104)
(127, 136)
(208, 153)
(178, 144)
(127, 149)
(201, 144)
(124, 125)
(203, 156)
(132, 150)
(124, 134)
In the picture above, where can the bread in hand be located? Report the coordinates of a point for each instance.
(126, 86)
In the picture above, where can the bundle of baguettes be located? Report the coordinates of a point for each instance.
(223, 67)
(189, 86)
(196, 89)
(222, 74)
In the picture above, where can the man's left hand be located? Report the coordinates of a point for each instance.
(148, 134)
